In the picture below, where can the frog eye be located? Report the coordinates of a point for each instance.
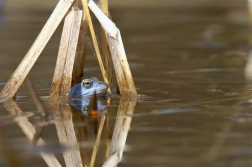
(87, 83)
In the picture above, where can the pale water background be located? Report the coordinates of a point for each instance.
(188, 57)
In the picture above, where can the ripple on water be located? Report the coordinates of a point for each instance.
(52, 148)
(202, 70)
(9, 119)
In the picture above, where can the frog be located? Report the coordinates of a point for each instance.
(88, 87)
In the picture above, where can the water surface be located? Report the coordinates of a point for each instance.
(188, 58)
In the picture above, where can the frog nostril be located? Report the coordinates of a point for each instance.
(103, 84)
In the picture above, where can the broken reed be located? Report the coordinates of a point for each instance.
(63, 77)
(105, 48)
(32, 55)
(118, 55)
(95, 43)
(62, 80)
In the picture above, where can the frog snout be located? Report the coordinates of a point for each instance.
(101, 88)
(103, 85)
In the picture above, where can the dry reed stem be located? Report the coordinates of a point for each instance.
(80, 52)
(248, 67)
(250, 11)
(71, 51)
(97, 141)
(118, 44)
(121, 65)
(29, 131)
(120, 77)
(104, 6)
(62, 56)
(30, 58)
(107, 59)
(75, 3)
(64, 66)
(105, 47)
(95, 43)
(79, 61)
(112, 161)
(122, 125)
(106, 23)
(66, 134)
(250, 36)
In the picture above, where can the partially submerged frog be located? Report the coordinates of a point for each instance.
(87, 88)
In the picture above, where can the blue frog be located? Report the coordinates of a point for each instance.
(87, 88)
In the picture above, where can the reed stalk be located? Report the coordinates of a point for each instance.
(71, 51)
(120, 62)
(248, 67)
(80, 56)
(119, 72)
(108, 68)
(30, 58)
(63, 79)
(105, 47)
(95, 43)
(64, 66)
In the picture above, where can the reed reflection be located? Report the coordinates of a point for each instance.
(93, 108)
(29, 131)
(81, 135)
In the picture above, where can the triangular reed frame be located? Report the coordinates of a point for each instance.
(66, 8)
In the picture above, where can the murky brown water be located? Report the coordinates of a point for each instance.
(189, 58)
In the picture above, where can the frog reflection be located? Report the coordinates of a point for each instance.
(82, 104)
(87, 88)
